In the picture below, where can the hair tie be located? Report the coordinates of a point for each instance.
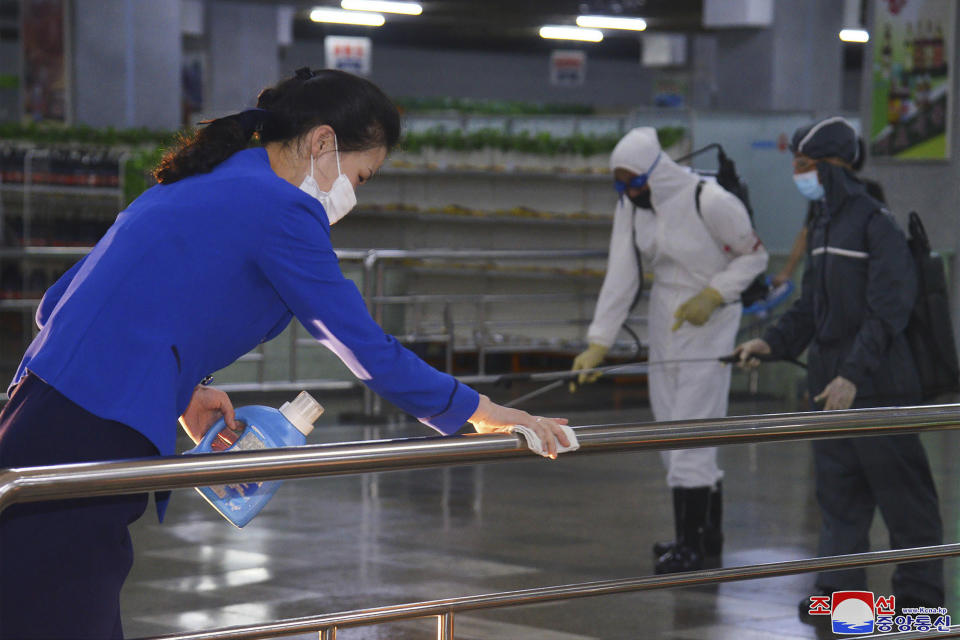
(304, 74)
(250, 120)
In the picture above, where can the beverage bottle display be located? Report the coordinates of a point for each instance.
(258, 428)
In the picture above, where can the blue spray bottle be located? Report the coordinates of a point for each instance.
(259, 428)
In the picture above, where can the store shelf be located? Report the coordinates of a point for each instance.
(19, 304)
(111, 192)
(539, 174)
(44, 252)
(488, 217)
(461, 270)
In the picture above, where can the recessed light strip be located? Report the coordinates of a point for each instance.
(339, 16)
(384, 6)
(562, 32)
(612, 22)
(855, 35)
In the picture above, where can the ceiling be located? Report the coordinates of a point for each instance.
(510, 24)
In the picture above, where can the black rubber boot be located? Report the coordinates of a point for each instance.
(687, 554)
(660, 548)
(713, 533)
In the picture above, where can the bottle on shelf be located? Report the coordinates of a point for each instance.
(11, 282)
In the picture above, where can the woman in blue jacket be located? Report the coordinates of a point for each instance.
(231, 245)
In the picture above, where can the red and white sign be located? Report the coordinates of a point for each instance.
(348, 54)
(568, 67)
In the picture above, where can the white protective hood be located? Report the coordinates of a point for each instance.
(637, 152)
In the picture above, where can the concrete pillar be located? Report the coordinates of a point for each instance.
(796, 63)
(243, 54)
(126, 63)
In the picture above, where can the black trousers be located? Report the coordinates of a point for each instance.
(62, 563)
(855, 476)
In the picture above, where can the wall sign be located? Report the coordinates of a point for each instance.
(45, 78)
(568, 67)
(348, 54)
(913, 43)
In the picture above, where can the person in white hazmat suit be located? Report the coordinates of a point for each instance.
(698, 240)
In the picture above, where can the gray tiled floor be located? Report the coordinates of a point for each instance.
(335, 544)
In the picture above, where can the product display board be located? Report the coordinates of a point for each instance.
(910, 110)
(45, 77)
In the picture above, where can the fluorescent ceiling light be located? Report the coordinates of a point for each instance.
(386, 6)
(612, 22)
(854, 35)
(560, 32)
(339, 16)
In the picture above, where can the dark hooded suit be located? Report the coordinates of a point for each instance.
(859, 287)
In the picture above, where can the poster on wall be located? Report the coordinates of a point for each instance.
(45, 77)
(348, 54)
(912, 56)
(671, 89)
(568, 68)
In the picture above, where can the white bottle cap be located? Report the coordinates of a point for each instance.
(302, 412)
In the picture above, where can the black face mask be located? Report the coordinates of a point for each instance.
(642, 199)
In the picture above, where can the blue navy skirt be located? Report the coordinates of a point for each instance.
(62, 563)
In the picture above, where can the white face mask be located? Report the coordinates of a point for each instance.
(337, 202)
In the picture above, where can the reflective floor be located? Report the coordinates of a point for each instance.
(335, 544)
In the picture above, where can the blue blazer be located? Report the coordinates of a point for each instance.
(194, 274)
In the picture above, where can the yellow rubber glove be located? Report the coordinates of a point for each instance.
(589, 359)
(697, 310)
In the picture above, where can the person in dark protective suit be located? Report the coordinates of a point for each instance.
(859, 287)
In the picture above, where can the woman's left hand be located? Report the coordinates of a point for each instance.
(207, 405)
(494, 418)
(837, 395)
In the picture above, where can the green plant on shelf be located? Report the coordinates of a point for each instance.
(539, 143)
(82, 134)
(146, 147)
(491, 107)
(138, 171)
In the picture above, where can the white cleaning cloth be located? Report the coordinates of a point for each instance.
(536, 445)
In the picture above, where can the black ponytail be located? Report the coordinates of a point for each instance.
(358, 111)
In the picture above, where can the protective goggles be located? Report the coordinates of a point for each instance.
(636, 182)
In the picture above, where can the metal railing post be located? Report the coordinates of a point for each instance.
(445, 626)
(27, 201)
(449, 329)
(369, 264)
(330, 633)
(480, 337)
(261, 364)
(293, 350)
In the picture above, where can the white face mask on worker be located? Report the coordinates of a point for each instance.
(340, 199)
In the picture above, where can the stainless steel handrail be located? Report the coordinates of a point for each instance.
(539, 595)
(132, 476)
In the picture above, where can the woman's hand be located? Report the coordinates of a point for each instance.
(494, 418)
(780, 278)
(207, 405)
(837, 395)
(746, 350)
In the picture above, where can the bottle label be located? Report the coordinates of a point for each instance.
(249, 441)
